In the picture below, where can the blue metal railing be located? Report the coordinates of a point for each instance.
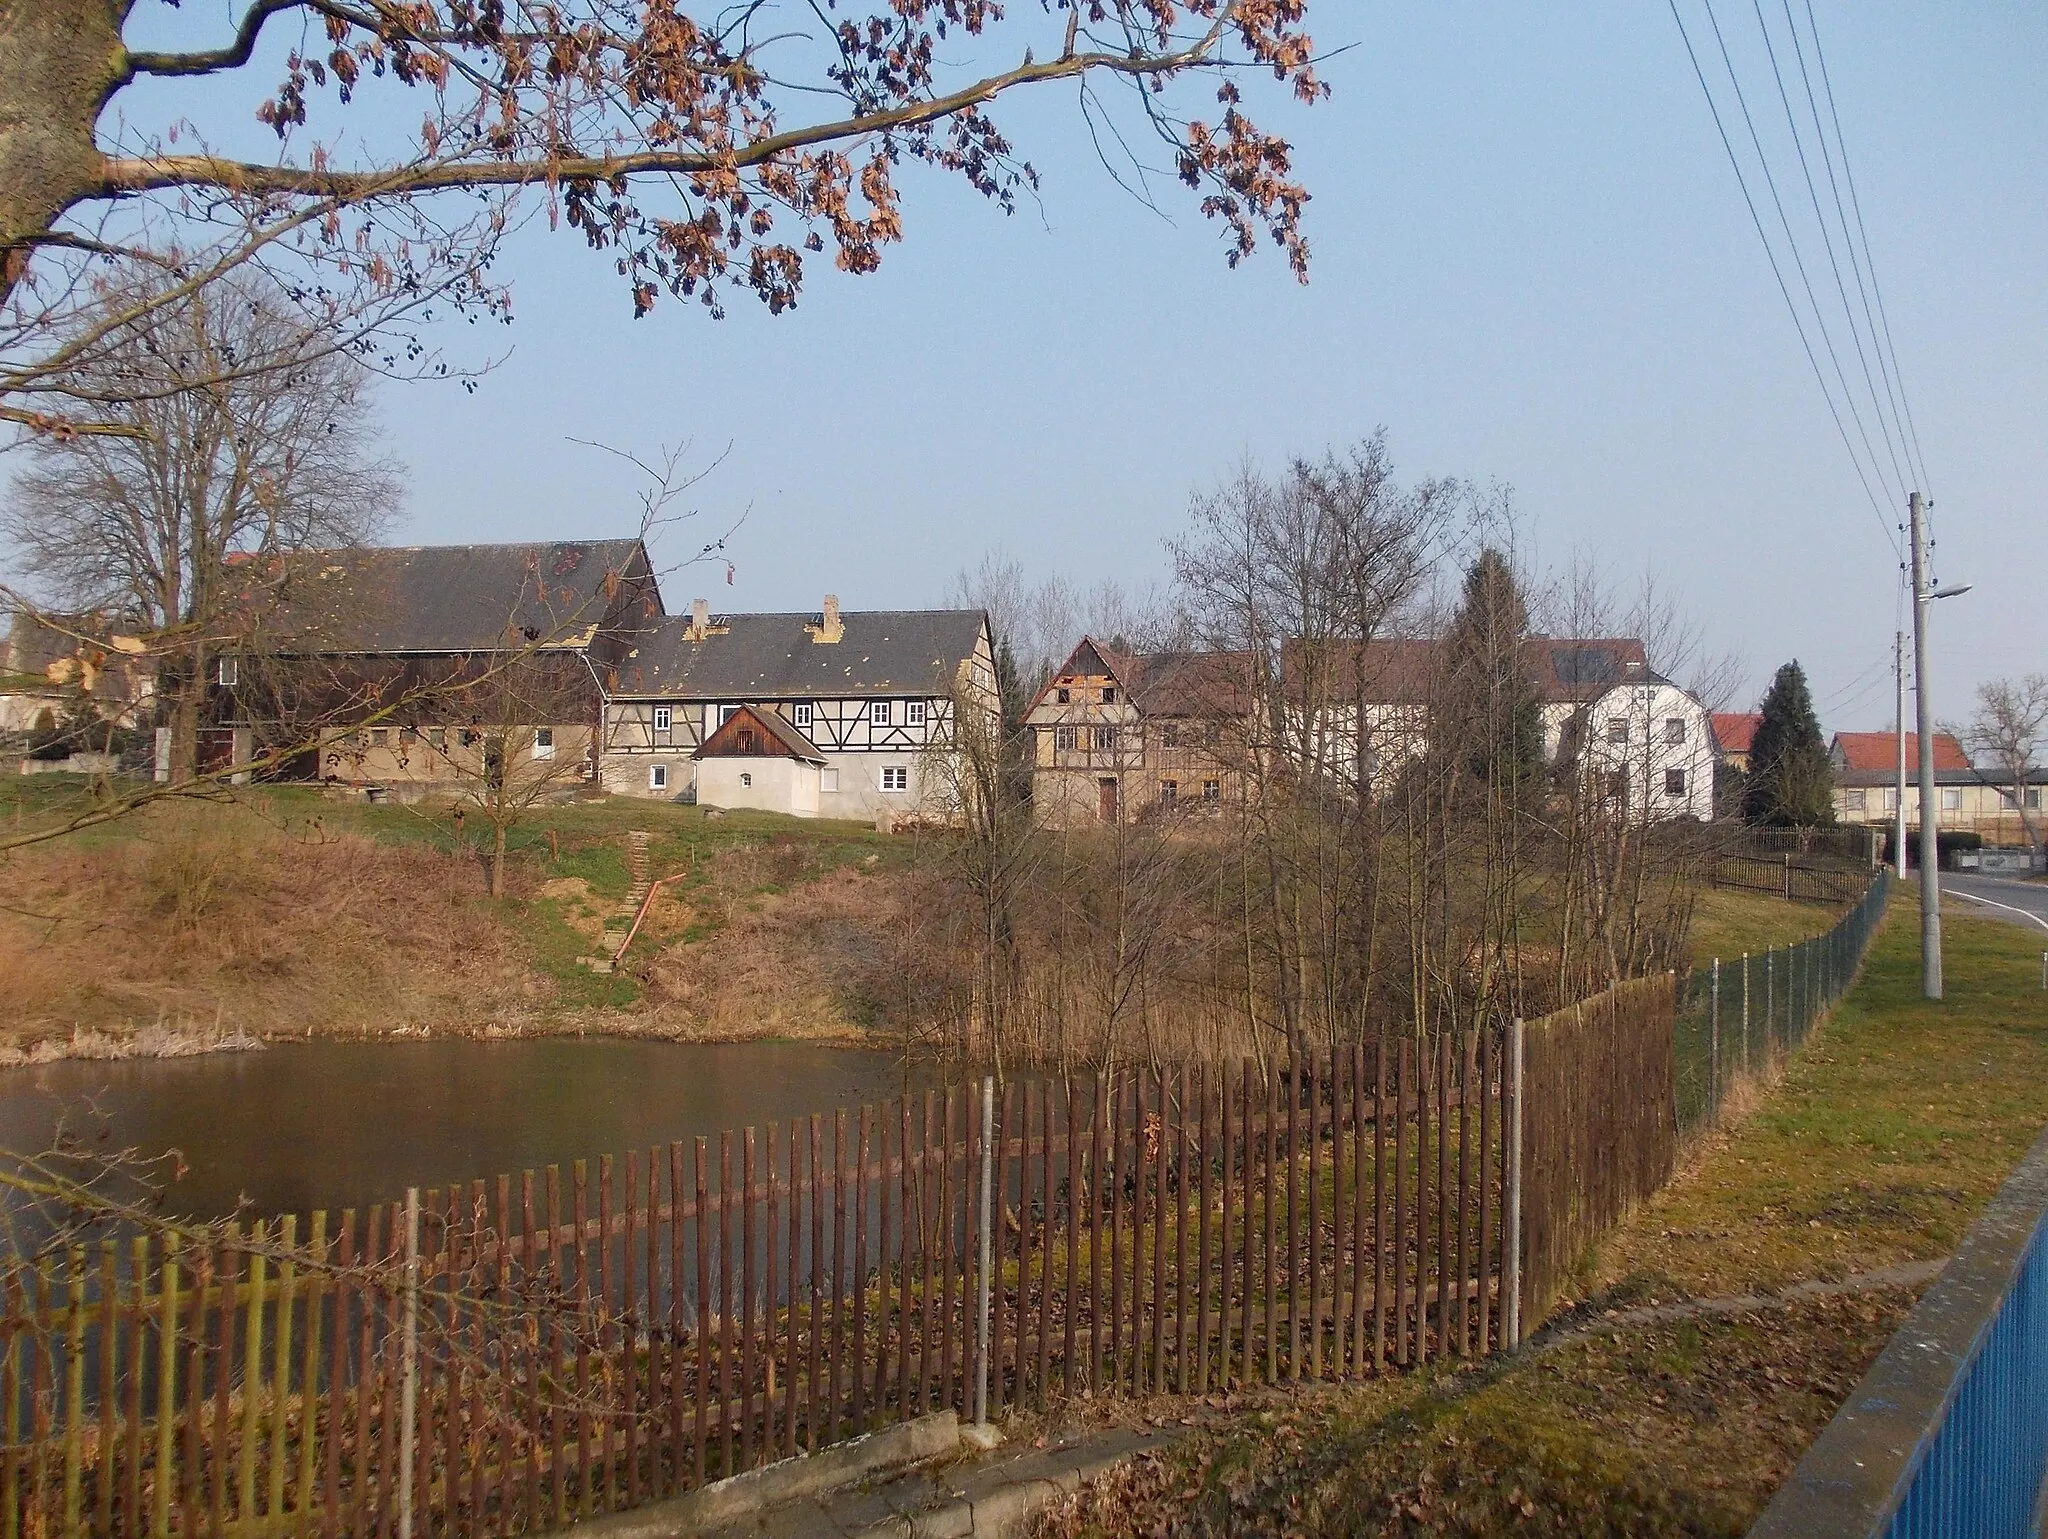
(1947, 1436)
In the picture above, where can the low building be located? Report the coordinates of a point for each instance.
(1734, 735)
(1969, 799)
(871, 694)
(1117, 735)
(415, 668)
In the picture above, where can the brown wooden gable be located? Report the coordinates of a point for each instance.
(755, 732)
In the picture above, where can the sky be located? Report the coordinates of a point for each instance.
(1532, 266)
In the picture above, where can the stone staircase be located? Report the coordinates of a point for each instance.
(619, 925)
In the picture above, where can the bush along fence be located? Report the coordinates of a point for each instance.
(1739, 1017)
(509, 1356)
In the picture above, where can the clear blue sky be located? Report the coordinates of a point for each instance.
(1532, 266)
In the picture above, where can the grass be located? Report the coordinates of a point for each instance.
(1727, 921)
(1885, 1136)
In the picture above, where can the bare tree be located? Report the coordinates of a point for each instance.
(2010, 730)
(251, 441)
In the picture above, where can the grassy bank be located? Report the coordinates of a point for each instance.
(284, 914)
(1883, 1139)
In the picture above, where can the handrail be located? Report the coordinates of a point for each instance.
(1948, 1432)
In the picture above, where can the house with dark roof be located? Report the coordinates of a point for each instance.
(475, 661)
(868, 698)
(1118, 735)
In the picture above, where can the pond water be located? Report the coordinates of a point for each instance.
(344, 1124)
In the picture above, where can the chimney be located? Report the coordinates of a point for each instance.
(829, 627)
(700, 618)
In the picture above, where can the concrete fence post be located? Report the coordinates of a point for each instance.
(981, 1284)
(1513, 1301)
(1714, 1045)
(408, 1408)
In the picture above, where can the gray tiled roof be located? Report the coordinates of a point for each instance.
(456, 598)
(772, 656)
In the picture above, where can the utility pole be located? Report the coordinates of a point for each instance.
(1899, 724)
(1930, 849)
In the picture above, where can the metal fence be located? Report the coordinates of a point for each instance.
(1947, 1436)
(1738, 1017)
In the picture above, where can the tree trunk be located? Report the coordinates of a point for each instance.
(60, 60)
(498, 861)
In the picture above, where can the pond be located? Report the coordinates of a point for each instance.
(330, 1125)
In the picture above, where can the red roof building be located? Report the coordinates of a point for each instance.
(1857, 753)
(1734, 731)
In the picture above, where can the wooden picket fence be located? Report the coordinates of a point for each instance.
(502, 1357)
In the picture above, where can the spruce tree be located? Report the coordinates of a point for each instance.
(1492, 717)
(1790, 783)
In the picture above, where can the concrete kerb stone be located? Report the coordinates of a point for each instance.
(996, 1500)
(807, 1477)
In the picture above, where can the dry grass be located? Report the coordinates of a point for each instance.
(210, 922)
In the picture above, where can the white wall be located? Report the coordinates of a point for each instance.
(1646, 753)
(768, 785)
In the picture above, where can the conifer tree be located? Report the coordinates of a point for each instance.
(1491, 710)
(1790, 783)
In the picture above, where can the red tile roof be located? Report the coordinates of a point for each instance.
(1880, 750)
(1734, 731)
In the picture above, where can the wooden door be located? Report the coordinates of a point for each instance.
(1105, 799)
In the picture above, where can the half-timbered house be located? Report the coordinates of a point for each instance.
(1116, 735)
(872, 695)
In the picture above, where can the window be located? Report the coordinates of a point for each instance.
(895, 777)
(657, 777)
(228, 671)
(878, 713)
(1951, 798)
(800, 714)
(1064, 739)
(1061, 694)
(2033, 798)
(437, 737)
(1108, 695)
(746, 779)
(746, 740)
(913, 713)
(1212, 790)
(664, 719)
(1617, 729)
(1169, 793)
(1105, 739)
(1855, 800)
(1891, 798)
(1674, 782)
(1169, 734)
(543, 742)
(725, 713)
(1674, 729)
(380, 737)
(828, 779)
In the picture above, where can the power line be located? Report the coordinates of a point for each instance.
(1863, 234)
(1792, 241)
(1777, 272)
(1856, 263)
(1891, 443)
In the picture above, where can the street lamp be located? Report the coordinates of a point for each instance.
(1930, 845)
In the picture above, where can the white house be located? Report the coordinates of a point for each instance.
(861, 703)
(1635, 734)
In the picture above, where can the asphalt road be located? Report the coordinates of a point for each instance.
(2024, 903)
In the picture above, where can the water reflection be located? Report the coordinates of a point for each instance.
(339, 1124)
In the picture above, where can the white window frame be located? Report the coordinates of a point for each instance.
(543, 742)
(800, 714)
(1065, 740)
(664, 719)
(657, 777)
(879, 714)
(1103, 739)
(1855, 799)
(913, 713)
(227, 672)
(1951, 798)
(726, 713)
(895, 779)
(1212, 790)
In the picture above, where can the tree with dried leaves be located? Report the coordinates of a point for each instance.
(250, 440)
(2009, 734)
(699, 150)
